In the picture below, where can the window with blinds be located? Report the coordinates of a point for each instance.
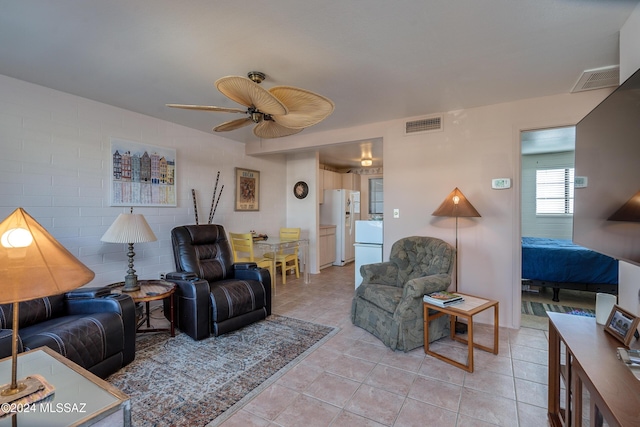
(554, 191)
(376, 199)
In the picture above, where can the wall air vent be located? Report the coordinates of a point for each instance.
(598, 78)
(427, 124)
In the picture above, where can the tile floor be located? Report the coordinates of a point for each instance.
(354, 380)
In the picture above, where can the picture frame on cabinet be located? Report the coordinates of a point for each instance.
(622, 324)
(247, 196)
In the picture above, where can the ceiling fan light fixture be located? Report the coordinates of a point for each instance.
(366, 162)
(256, 116)
(256, 76)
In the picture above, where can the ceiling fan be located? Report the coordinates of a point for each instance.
(277, 112)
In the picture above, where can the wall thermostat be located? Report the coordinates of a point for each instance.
(580, 182)
(501, 183)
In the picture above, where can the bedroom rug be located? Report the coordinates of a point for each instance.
(539, 309)
(181, 382)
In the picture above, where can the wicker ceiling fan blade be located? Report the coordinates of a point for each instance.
(271, 129)
(306, 108)
(207, 108)
(233, 125)
(244, 91)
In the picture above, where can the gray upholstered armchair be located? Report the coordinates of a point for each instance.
(388, 303)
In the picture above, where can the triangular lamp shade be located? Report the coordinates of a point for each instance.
(33, 264)
(456, 205)
(630, 211)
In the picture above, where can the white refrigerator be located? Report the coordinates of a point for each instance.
(341, 208)
(369, 237)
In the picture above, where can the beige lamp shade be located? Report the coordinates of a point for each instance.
(33, 264)
(129, 228)
(456, 205)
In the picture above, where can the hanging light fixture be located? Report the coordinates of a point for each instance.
(365, 163)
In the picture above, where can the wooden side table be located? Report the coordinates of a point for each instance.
(467, 309)
(151, 290)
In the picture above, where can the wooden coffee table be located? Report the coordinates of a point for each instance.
(471, 306)
(151, 290)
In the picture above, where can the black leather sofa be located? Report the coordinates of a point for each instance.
(89, 326)
(214, 295)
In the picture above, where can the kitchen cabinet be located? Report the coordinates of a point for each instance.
(329, 180)
(327, 245)
(350, 181)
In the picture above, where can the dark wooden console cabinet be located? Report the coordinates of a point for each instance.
(583, 356)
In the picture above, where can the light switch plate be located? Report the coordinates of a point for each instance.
(501, 183)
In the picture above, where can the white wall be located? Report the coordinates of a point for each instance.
(629, 274)
(476, 145)
(303, 212)
(55, 164)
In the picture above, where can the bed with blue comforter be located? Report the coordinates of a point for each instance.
(561, 264)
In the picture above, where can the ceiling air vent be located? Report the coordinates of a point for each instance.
(598, 78)
(427, 124)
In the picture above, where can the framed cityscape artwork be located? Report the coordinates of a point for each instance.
(247, 190)
(142, 175)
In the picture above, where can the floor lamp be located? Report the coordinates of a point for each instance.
(32, 265)
(456, 205)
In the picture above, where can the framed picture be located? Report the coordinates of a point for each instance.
(142, 175)
(621, 324)
(247, 190)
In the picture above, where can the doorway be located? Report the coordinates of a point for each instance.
(546, 191)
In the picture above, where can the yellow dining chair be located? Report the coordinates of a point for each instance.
(287, 259)
(242, 248)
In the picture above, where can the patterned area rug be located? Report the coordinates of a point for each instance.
(181, 382)
(539, 309)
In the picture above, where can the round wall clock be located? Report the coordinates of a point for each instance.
(300, 189)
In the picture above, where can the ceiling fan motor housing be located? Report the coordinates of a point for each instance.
(256, 116)
(256, 76)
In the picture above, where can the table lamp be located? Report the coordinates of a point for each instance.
(456, 205)
(129, 228)
(32, 265)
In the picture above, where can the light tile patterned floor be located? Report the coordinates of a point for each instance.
(353, 380)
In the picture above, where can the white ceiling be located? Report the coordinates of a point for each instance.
(377, 60)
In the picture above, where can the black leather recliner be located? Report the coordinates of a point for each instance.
(89, 326)
(214, 295)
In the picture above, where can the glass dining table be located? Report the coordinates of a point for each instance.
(276, 245)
